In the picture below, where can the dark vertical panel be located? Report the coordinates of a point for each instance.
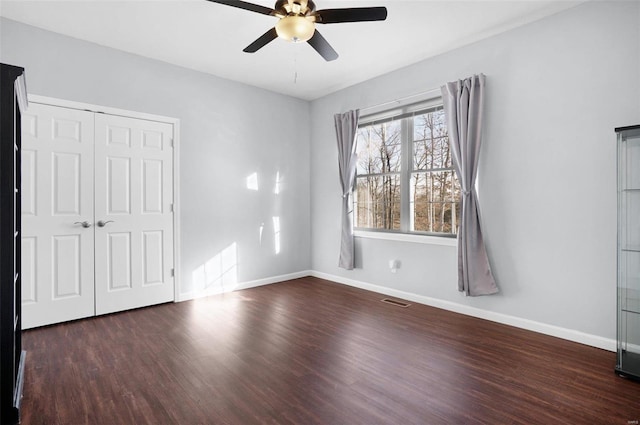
(10, 294)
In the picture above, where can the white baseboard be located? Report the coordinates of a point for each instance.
(519, 322)
(543, 328)
(186, 296)
(275, 279)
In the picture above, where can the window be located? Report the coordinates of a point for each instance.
(405, 181)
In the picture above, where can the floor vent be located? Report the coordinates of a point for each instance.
(396, 303)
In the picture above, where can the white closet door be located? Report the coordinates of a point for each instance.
(133, 197)
(57, 194)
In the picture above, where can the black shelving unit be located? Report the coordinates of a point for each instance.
(13, 100)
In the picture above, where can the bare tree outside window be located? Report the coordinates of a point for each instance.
(379, 152)
(435, 190)
(432, 200)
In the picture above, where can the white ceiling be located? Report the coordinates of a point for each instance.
(209, 37)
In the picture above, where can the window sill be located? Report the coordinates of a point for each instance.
(407, 237)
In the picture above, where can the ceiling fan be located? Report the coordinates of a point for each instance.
(298, 19)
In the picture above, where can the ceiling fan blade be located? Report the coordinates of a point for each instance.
(323, 47)
(264, 39)
(246, 6)
(355, 14)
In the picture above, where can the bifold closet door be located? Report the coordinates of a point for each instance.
(133, 213)
(97, 214)
(57, 215)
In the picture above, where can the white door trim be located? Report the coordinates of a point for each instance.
(176, 162)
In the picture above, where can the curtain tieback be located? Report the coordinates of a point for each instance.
(466, 192)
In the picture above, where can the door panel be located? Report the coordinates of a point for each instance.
(119, 186)
(119, 261)
(133, 184)
(28, 184)
(152, 186)
(57, 192)
(152, 257)
(66, 183)
(29, 261)
(66, 266)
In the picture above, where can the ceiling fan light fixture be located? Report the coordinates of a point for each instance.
(296, 29)
(297, 20)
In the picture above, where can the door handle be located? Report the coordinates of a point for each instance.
(104, 223)
(84, 224)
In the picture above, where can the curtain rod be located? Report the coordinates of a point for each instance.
(435, 91)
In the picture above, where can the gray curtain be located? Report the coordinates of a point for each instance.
(463, 106)
(346, 129)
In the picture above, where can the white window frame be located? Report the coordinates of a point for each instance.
(405, 113)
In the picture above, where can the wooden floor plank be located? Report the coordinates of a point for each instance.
(309, 351)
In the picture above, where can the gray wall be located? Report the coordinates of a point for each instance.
(228, 132)
(556, 90)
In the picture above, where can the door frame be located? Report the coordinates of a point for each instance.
(175, 122)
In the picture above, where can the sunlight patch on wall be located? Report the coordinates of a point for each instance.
(276, 233)
(218, 274)
(252, 182)
(278, 181)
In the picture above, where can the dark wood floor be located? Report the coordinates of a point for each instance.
(313, 352)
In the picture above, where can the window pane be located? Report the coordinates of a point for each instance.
(436, 186)
(379, 148)
(434, 202)
(431, 142)
(436, 217)
(377, 202)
